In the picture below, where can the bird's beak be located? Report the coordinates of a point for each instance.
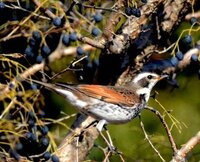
(163, 76)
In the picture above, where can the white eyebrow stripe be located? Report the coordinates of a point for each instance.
(142, 75)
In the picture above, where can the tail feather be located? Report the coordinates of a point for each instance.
(51, 86)
(69, 92)
(59, 88)
(46, 85)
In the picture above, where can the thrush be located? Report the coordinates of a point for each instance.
(109, 104)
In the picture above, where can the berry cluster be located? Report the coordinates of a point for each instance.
(133, 11)
(33, 144)
(36, 49)
(67, 38)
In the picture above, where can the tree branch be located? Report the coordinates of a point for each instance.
(181, 154)
(79, 141)
(171, 139)
(147, 138)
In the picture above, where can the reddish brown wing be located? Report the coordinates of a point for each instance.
(108, 94)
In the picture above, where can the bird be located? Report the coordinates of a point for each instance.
(108, 104)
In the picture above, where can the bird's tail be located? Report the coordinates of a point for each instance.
(59, 88)
(71, 93)
(48, 86)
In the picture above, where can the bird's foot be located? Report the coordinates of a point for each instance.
(112, 148)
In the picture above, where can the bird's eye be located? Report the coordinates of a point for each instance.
(149, 76)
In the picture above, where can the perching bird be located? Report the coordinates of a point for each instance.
(109, 104)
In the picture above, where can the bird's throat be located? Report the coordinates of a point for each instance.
(144, 93)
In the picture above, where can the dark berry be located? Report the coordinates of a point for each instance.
(73, 36)
(65, 39)
(11, 85)
(19, 146)
(57, 21)
(2, 5)
(194, 57)
(174, 61)
(31, 123)
(44, 130)
(44, 141)
(47, 155)
(193, 20)
(54, 158)
(36, 35)
(14, 154)
(79, 51)
(133, 11)
(39, 59)
(97, 17)
(179, 55)
(136, 12)
(188, 39)
(95, 31)
(29, 52)
(144, 1)
(31, 137)
(33, 86)
(32, 42)
(128, 11)
(45, 50)
(31, 115)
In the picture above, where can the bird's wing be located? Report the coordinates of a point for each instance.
(115, 95)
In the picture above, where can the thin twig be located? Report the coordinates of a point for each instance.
(23, 22)
(8, 107)
(94, 43)
(171, 139)
(147, 138)
(70, 8)
(46, 11)
(103, 8)
(27, 73)
(25, 10)
(59, 120)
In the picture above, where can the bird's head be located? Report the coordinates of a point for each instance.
(145, 82)
(147, 79)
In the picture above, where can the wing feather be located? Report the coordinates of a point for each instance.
(115, 95)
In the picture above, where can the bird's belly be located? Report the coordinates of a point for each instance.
(114, 114)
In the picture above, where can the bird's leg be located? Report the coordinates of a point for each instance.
(100, 126)
(112, 147)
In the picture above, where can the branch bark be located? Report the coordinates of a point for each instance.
(181, 154)
(79, 141)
